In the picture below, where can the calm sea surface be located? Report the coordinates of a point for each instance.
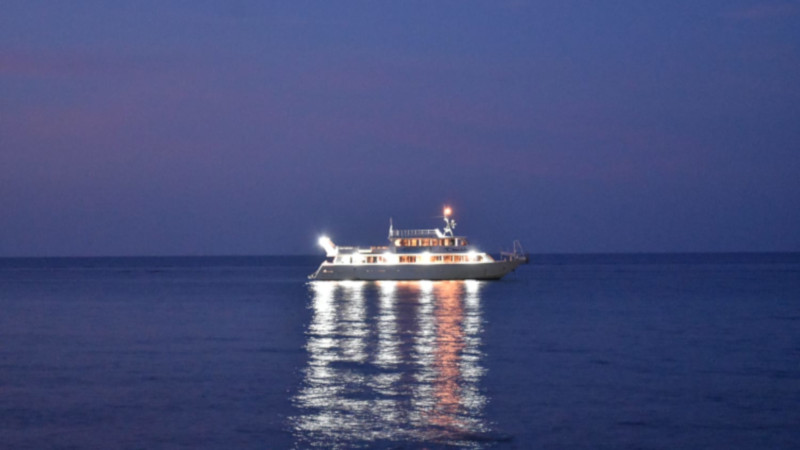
(582, 351)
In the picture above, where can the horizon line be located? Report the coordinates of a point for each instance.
(265, 255)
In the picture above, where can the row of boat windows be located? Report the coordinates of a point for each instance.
(441, 258)
(431, 242)
(411, 259)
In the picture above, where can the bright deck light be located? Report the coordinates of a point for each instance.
(447, 211)
(326, 243)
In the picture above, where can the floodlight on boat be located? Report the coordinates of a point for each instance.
(326, 243)
(447, 211)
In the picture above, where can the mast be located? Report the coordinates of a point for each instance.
(449, 225)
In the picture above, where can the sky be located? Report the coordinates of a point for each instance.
(250, 128)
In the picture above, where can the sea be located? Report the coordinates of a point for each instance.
(618, 351)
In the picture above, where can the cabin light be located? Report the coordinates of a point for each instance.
(426, 257)
(473, 256)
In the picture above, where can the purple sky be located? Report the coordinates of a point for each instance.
(198, 128)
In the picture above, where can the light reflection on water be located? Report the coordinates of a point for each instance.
(392, 362)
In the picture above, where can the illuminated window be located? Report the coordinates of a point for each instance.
(408, 259)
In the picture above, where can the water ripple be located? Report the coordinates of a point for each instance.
(393, 362)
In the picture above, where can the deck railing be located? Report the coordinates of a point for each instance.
(414, 233)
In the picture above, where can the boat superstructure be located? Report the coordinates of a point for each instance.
(430, 254)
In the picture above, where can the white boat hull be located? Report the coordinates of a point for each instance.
(470, 271)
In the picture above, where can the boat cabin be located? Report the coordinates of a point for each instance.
(431, 242)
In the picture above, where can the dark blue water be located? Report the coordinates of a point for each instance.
(583, 351)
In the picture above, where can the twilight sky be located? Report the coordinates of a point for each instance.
(249, 127)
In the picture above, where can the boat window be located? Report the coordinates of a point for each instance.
(408, 259)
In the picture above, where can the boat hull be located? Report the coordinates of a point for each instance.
(477, 271)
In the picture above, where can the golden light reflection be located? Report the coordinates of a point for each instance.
(386, 354)
(392, 361)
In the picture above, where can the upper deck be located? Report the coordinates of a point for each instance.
(409, 241)
(414, 245)
(449, 241)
